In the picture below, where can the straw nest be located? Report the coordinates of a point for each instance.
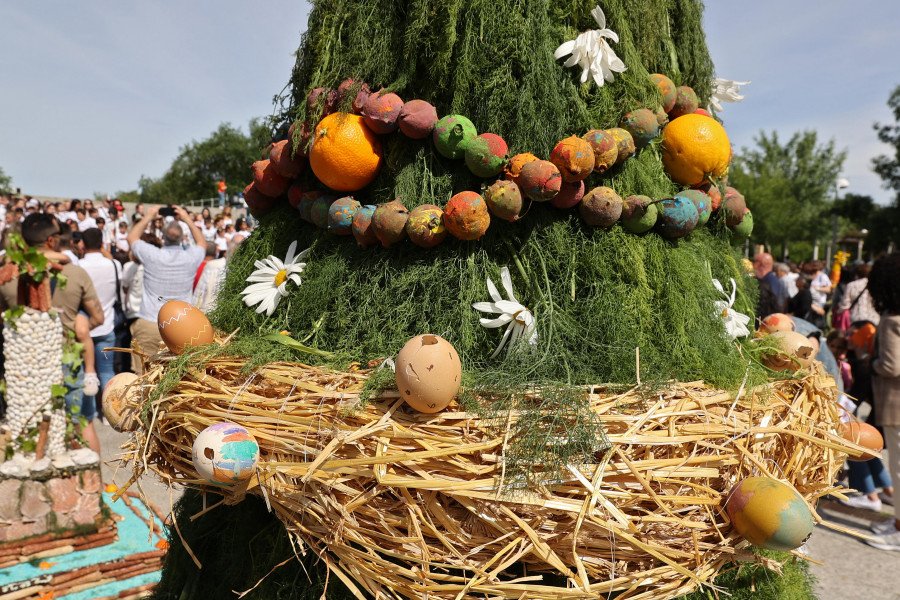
(402, 504)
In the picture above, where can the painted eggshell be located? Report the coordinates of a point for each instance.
(569, 195)
(382, 112)
(182, 326)
(340, 215)
(361, 227)
(417, 119)
(796, 352)
(300, 134)
(451, 134)
(866, 436)
(606, 151)
(513, 168)
(486, 154)
(642, 125)
(466, 216)
(539, 180)
(667, 89)
(733, 206)
(638, 214)
(295, 194)
(624, 144)
(389, 222)
(678, 216)
(287, 163)
(428, 373)
(574, 158)
(601, 207)
(714, 193)
(267, 179)
(769, 514)
(225, 454)
(686, 102)
(306, 203)
(775, 322)
(425, 226)
(701, 201)
(115, 402)
(744, 229)
(504, 199)
(318, 212)
(257, 203)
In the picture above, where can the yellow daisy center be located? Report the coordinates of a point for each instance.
(280, 277)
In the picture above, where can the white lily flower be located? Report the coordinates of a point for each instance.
(269, 280)
(592, 53)
(725, 90)
(521, 321)
(735, 322)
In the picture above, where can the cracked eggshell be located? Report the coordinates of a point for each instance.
(225, 453)
(796, 352)
(115, 402)
(428, 373)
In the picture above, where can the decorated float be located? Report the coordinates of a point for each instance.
(492, 338)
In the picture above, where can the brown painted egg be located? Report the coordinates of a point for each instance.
(116, 394)
(182, 326)
(428, 373)
(796, 352)
(866, 436)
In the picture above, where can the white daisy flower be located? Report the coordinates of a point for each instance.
(269, 280)
(735, 322)
(521, 321)
(725, 90)
(592, 53)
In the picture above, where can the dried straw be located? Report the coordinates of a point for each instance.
(402, 504)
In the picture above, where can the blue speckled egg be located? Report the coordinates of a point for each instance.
(677, 217)
(361, 227)
(340, 215)
(701, 201)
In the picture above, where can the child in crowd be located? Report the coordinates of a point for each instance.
(838, 345)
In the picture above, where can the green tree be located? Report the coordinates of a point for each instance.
(886, 221)
(788, 186)
(5, 183)
(227, 153)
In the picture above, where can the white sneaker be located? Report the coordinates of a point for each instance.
(91, 384)
(888, 541)
(883, 527)
(861, 501)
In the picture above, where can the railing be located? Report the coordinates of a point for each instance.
(213, 202)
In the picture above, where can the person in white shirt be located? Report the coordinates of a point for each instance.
(84, 221)
(122, 237)
(788, 279)
(106, 275)
(168, 274)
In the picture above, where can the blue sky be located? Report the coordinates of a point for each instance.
(98, 93)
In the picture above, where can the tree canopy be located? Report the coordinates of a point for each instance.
(227, 153)
(5, 182)
(788, 186)
(888, 167)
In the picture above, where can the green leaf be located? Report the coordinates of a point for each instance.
(292, 343)
(57, 390)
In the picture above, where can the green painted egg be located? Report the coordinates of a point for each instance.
(638, 215)
(701, 201)
(769, 514)
(451, 134)
(743, 229)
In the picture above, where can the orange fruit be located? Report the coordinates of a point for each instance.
(346, 154)
(695, 148)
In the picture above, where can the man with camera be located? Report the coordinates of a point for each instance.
(168, 272)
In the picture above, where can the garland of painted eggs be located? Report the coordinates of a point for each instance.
(559, 181)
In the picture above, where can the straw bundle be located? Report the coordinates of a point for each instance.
(402, 504)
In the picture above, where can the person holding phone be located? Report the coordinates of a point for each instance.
(168, 272)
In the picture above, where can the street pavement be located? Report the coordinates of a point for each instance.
(852, 570)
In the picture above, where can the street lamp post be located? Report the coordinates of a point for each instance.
(838, 186)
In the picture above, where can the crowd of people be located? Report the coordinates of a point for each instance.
(855, 322)
(119, 269)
